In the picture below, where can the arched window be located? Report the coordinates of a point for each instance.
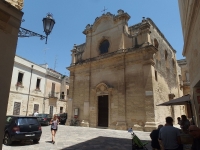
(104, 45)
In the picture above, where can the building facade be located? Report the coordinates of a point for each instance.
(29, 90)
(190, 19)
(120, 75)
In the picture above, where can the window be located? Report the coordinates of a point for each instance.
(156, 43)
(16, 109)
(166, 57)
(156, 77)
(20, 78)
(61, 109)
(51, 111)
(67, 91)
(53, 89)
(36, 108)
(62, 96)
(38, 84)
(103, 48)
(174, 66)
(27, 121)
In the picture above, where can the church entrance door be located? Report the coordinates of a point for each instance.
(103, 111)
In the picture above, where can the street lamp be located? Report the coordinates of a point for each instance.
(48, 24)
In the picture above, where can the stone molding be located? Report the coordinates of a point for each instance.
(16, 3)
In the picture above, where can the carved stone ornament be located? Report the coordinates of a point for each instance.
(16, 3)
(102, 89)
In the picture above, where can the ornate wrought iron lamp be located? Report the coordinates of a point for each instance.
(48, 24)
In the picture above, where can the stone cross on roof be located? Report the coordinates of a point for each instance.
(104, 10)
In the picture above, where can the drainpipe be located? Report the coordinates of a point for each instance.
(29, 90)
(43, 109)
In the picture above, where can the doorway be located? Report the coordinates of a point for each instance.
(103, 111)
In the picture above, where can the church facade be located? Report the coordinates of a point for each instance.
(121, 73)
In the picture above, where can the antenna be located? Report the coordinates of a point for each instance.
(55, 62)
(45, 54)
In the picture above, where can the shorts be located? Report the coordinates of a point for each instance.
(54, 129)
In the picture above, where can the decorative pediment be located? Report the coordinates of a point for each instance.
(108, 17)
(102, 89)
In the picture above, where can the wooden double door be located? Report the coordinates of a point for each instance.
(103, 111)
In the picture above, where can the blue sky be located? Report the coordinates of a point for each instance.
(72, 16)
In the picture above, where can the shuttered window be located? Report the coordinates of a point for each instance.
(16, 109)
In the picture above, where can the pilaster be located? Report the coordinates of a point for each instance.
(10, 21)
(148, 71)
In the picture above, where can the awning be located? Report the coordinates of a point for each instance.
(178, 101)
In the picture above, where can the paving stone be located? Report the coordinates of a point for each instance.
(81, 138)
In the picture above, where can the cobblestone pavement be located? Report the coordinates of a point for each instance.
(81, 138)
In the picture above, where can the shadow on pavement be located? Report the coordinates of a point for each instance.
(103, 143)
(23, 143)
(48, 141)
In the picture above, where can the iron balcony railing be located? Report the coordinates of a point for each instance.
(53, 95)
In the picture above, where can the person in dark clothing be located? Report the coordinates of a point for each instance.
(194, 131)
(154, 137)
(185, 123)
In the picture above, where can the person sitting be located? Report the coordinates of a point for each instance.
(194, 131)
(154, 138)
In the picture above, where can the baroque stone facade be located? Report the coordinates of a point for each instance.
(120, 74)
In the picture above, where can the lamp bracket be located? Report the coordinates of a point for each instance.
(27, 33)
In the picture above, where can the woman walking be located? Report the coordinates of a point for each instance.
(54, 127)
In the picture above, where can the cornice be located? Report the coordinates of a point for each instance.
(160, 33)
(145, 50)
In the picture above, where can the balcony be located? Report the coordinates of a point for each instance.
(62, 96)
(53, 95)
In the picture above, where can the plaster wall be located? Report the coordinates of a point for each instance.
(190, 26)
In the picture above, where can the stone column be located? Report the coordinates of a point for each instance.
(10, 20)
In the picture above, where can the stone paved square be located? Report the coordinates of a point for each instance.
(81, 138)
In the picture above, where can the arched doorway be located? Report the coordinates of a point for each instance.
(102, 102)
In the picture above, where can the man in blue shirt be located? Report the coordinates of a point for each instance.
(169, 136)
